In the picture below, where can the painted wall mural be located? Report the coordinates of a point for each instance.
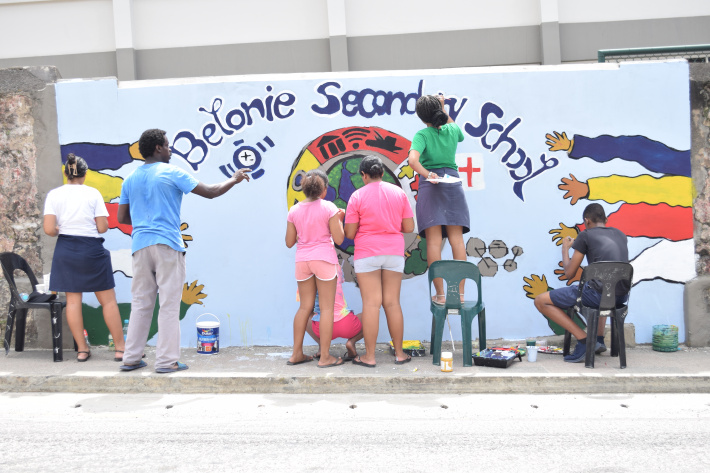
(616, 135)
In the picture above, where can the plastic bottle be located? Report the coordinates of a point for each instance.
(111, 344)
(447, 361)
(86, 337)
(125, 329)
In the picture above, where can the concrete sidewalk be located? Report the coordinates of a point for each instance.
(264, 370)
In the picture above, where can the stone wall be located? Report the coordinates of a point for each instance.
(700, 155)
(696, 298)
(29, 147)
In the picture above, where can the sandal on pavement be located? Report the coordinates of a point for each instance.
(337, 363)
(141, 364)
(359, 362)
(401, 362)
(348, 357)
(177, 366)
(305, 360)
(81, 360)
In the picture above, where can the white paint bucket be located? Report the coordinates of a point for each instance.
(207, 335)
(532, 353)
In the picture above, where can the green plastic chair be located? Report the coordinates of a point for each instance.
(453, 272)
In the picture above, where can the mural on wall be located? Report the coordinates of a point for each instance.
(652, 207)
(525, 193)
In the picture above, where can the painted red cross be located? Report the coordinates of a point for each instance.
(469, 170)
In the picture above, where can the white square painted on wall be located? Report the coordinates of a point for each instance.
(471, 171)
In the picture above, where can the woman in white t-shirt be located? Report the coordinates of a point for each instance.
(77, 215)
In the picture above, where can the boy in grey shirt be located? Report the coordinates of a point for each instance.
(598, 243)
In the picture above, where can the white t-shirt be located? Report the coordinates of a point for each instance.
(76, 207)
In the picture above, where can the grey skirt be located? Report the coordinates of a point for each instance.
(442, 204)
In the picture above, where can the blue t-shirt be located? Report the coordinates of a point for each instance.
(154, 192)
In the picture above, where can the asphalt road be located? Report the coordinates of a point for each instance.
(393, 433)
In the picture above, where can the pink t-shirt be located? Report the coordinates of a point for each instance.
(379, 208)
(314, 241)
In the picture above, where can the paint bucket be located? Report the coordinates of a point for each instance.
(665, 338)
(207, 335)
(532, 353)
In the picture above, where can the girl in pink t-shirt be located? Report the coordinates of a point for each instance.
(378, 214)
(313, 225)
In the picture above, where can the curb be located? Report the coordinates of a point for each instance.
(249, 384)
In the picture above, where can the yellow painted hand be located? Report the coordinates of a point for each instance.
(185, 238)
(535, 285)
(559, 142)
(193, 294)
(559, 234)
(561, 274)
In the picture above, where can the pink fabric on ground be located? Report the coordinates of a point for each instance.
(347, 327)
(379, 208)
(314, 241)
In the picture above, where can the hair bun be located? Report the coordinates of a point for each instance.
(71, 158)
(439, 118)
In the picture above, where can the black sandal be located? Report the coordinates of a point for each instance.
(81, 360)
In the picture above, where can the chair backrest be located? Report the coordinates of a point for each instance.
(11, 262)
(453, 272)
(608, 274)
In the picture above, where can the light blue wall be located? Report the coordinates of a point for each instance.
(238, 250)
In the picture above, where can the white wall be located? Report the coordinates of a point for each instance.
(44, 28)
(181, 23)
(575, 11)
(377, 17)
(54, 28)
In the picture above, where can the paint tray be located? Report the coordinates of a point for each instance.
(496, 357)
(412, 348)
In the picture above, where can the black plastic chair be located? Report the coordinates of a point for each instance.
(17, 309)
(453, 272)
(609, 274)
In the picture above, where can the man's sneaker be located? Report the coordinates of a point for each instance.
(578, 355)
(599, 348)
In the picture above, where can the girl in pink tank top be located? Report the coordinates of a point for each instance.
(313, 226)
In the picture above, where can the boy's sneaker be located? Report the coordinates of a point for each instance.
(578, 355)
(599, 348)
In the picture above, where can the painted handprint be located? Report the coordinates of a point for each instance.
(559, 234)
(559, 142)
(574, 189)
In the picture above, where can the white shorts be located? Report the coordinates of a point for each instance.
(373, 263)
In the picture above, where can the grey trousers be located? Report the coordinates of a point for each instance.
(156, 269)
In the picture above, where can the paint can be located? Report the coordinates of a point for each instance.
(532, 353)
(207, 335)
(665, 338)
(447, 361)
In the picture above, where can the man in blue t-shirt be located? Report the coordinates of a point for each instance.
(599, 243)
(151, 197)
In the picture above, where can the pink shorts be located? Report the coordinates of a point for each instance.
(347, 327)
(321, 269)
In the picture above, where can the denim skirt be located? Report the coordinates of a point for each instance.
(81, 264)
(442, 204)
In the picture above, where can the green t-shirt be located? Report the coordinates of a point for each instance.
(437, 147)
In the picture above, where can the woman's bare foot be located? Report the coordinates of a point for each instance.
(298, 359)
(329, 360)
(400, 356)
(352, 351)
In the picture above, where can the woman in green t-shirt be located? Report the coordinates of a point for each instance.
(441, 207)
